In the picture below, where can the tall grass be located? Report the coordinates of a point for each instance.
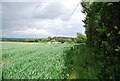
(80, 63)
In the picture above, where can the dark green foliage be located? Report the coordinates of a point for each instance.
(15, 40)
(79, 61)
(3, 40)
(102, 24)
(62, 39)
(31, 40)
(80, 38)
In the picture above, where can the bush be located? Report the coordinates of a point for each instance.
(31, 40)
(103, 36)
(80, 38)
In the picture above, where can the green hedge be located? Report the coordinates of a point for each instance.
(102, 24)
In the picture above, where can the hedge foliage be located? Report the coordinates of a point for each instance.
(102, 24)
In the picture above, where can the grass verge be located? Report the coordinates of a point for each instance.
(79, 61)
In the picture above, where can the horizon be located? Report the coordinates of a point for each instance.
(33, 38)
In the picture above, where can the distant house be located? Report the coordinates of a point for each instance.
(66, 42)
(49, 42)
(56, 42)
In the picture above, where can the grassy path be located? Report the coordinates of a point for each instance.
(81, 63)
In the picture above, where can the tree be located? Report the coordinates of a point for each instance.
(49, 38)
(80, 38)
(103, 32)
(29, 40)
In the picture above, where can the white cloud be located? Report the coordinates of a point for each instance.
(70, 26)
(33, 31)
(50, 10)
(42, 19)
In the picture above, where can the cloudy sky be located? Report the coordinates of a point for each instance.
(41, 19)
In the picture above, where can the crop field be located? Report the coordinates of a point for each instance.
(34, 61)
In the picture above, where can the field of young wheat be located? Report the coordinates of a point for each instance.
(34, 61)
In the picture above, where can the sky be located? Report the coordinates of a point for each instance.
(28, 19)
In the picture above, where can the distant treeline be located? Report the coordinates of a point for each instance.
(79, 39)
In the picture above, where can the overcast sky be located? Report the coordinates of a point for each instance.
(41, 19)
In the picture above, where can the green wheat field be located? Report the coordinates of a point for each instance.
(34, 61)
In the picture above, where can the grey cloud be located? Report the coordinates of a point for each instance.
(48, 16)
(50, 11)
(15, 10)
(26, 0)
(0, 19)
(66, 31)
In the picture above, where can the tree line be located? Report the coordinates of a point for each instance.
(79, 39)
(102, 25)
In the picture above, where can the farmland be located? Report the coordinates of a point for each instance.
(34, 61)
